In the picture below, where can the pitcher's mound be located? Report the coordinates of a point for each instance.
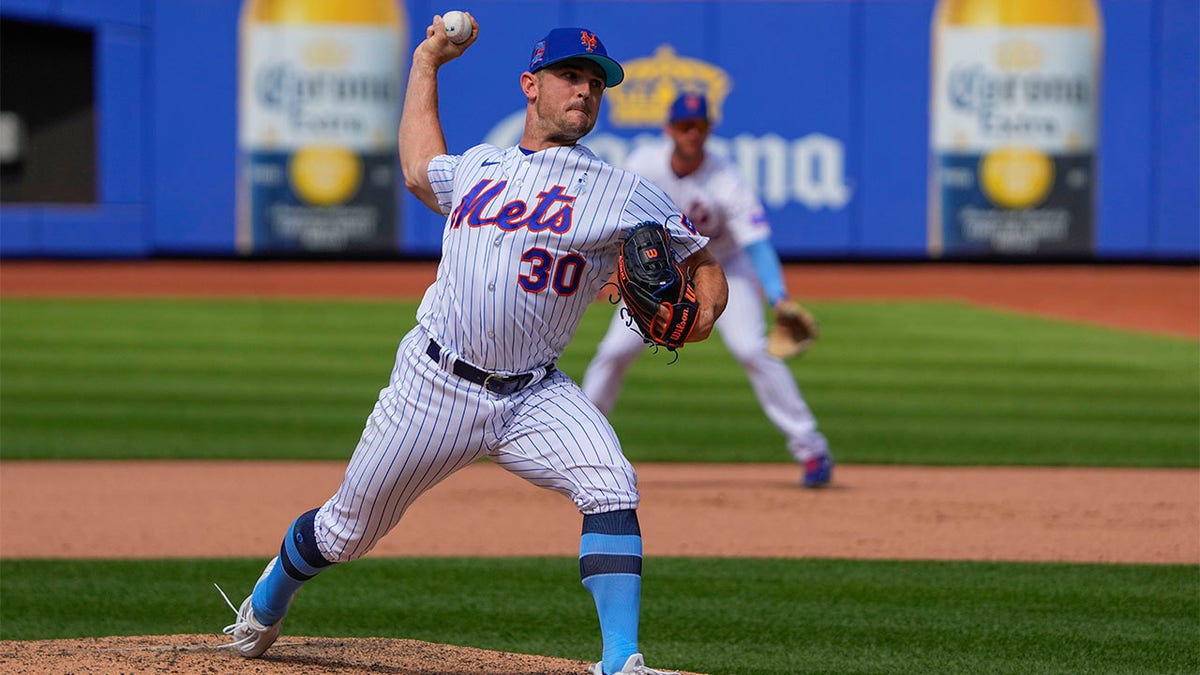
(180, 654)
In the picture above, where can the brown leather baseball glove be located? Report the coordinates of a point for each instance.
(794, 331)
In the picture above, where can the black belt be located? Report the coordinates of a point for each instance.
(493, 382)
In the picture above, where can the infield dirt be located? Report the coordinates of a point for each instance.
(1095, 515)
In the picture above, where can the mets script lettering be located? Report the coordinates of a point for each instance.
(552, 211)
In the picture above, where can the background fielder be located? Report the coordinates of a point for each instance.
(718, 202)
(532, 233)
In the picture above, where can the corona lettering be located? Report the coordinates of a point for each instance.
(810, 170)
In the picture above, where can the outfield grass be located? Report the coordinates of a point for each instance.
(721, 616)
(911, 383)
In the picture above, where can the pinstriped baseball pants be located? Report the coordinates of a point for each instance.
(429, 423)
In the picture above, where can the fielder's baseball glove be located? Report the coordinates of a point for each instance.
(649, 279)
(794, 331)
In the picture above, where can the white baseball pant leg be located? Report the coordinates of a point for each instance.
(743, 330)
(429, 423)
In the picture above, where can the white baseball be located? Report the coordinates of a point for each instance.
(458, 26)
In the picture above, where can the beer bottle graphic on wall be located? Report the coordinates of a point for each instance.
(319, 95)
(1014, 96)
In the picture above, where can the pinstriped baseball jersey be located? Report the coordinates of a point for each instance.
(528, 242)
(715, 197)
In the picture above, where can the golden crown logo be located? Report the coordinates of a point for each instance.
(653, 83)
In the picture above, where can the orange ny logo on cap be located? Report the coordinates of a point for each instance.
(588, 40)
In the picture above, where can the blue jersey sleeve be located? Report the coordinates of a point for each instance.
(769, 270)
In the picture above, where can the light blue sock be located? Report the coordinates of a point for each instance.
(299, 560)
(610, 565)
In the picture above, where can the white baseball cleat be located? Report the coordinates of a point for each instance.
(250, 638)
(635, 665)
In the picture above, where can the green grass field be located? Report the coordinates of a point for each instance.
(902, 383)
(908, 383)
(733, 617)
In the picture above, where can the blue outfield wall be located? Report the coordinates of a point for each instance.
(827, 111)
(119, 224)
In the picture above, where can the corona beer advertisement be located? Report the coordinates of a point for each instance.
(1013, 128)
(319, 103)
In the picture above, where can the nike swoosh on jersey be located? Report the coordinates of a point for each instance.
(489, 164)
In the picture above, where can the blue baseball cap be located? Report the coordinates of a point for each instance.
(575, 43)
(689, 107)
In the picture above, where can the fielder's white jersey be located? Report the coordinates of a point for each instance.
(529, 241)
(715, 198)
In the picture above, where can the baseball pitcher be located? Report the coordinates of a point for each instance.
(531, 234)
